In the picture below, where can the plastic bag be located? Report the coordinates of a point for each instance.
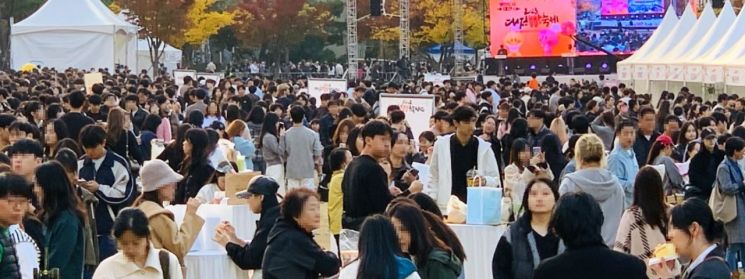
(348, 245)
(456, 211)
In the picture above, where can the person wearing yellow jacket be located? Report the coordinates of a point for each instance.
(159, 185)
(339, 158)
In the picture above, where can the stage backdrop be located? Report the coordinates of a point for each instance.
(531, 28)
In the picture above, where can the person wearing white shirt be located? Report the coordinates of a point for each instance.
(694, 233)
(137, 258)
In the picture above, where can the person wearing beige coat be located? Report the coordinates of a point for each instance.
(159, 185)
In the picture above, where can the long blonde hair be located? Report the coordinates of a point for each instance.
(589, 149)
(560, 129)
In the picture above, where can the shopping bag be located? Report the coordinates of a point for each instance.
(456, 211)
(484, 206)
(723, 207)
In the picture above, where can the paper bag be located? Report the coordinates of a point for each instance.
(456, 211)
(236, 182)
(484, 206)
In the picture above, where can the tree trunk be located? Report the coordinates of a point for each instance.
(157, 47)
(4, 42)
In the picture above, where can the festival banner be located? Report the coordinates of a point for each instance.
(735, 76)
(317, 86)
(532, 28)
(213, 76)
(676, 73)
(641, 72)
(694, 73)
(714, 74)
(418, 109)
(624, 72)
(178, 76)
(657, 72)
(436, 79)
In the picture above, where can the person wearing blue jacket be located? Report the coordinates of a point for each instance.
(245, 146)
(622, 160)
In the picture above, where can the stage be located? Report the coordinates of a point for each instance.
(584, 64)
(610, 79)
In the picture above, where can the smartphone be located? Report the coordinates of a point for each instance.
(414, 172)
(81, 181)
(281, 125)
(536, 150)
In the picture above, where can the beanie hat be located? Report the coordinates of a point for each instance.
(155, 174)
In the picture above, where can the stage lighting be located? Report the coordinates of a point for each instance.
(532, 66)
(604, 66)
(588, 66)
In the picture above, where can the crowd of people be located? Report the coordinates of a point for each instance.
(591, 176)
(614, 40)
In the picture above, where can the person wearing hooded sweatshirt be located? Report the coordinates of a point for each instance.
(159, 185)
(592, 178)
(261, 196)
(622, 160)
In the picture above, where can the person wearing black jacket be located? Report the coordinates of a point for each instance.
(703, 168)
(577, 220)
(365, 183)
(75, 119)
(646, 135)
(549, 144)
(262, 199)
(291, 251)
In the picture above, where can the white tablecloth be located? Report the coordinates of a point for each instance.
(212, 264)
(480, 242)
(208, 259)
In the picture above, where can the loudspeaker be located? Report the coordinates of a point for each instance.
(376, 7)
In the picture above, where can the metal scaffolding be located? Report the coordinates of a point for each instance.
(458, 50)
(352, 49)
(403, 42)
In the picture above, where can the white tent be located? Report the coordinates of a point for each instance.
(686, 25)
(626, 71)
(171, 57)
(727, 28)
(79, 33)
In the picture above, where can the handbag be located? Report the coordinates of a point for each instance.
(724, 207)
(134, 165)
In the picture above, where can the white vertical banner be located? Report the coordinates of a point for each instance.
(418, 109)
(735, 76)
(694, 73)
(676, 73)
(641, 72)
(714, 74)
(624, 72)
(657, 72)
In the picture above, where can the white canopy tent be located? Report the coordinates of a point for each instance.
(626, 68)
(721, 36)
(80, 33)
(171, 57)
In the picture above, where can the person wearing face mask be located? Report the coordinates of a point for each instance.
(703, 168)
(261, 196)
(454, 155)
(291, 251)
(137, 258)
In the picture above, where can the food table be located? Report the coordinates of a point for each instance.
(479, 242)
(207, 259)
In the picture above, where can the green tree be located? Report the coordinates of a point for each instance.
(18, 10)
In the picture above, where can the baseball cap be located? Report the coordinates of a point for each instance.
(262, 185)
(665, 140)
(708, 133)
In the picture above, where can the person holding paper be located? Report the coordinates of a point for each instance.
(261, 197)
(159, 186)
(456, 154)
